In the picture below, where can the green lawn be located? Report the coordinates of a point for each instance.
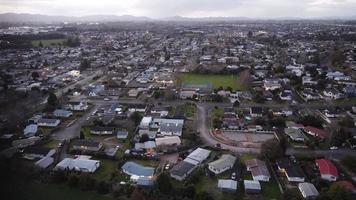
(52, 144)
(48, 42)
(245, 157)
(190, 110)
(40, 191)
(270, 190)
(106, 169)
(217, 113)
(224, 81)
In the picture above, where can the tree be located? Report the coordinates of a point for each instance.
(40, 44)
(136, 117)
(84, 64)
(163, 184)
(103, 187)
(144, 138)
(73, 180)
(272, 149)
(52, 101)
(339, 193)
(86, 182)
(82, 136)
(203, 196)
(310, 120)
(189, 191)
(35, 75)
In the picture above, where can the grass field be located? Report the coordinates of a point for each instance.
(217, 81)
(49, 42)
(40, 191)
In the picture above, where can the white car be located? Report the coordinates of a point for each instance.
(334, 148)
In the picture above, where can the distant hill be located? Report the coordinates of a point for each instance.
(36, 18)
(20, 17)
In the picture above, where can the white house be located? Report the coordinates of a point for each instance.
(48, 122)
(224, 163)
(308, 190)
(82, 165)
(258, 170)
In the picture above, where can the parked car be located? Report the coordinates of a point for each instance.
(233, 176)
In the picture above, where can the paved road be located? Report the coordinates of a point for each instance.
(208, 138)
(73, 130)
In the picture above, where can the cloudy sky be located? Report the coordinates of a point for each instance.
(186, 8)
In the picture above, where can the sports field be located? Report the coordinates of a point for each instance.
(49, 42)
(217, 81)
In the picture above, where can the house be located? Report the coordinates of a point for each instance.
(144, 182)
(82, 165)
(44, 162)
(145, 145)
(225, 162)
(252, 187)
(166, 144)
(332, 93)
(256, 112)
(137, 108)
(308, 190)
(145, 122)
(30, 130)
(227, 185)
(62, 113)
(22, 143)
(182, 170)
(197, 156)
(171, 129)
(86, 145)
(188, 94)
(258, 170)
(122, 134)
(102, 130)
(133, 92)
(78, 106)
(316, 132)
(286, 95)
(35, 152)
(327, 169)
(48, 122)
(291, 170)
(271, 85)
(134, 169)
(294, 134)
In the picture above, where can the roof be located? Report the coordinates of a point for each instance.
(133, 168)
(257, 167)
(48, 121)
(327, 167)
(171, 127)
(30, 129)
(86, 142)
(182, 168)
(294, 133)
(308, 189)
(317, 132)
(227, 184)
(252, 185)
(44, 162)
(84, 165)
(168, 140)
(145, 145)
(224, 161)
(62, 112)
(197, 156)
(144, 181)
(291, 169)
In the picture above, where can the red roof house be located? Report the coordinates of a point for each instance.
(327, 169)
(316, 132)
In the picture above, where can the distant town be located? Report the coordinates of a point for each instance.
(237, 109)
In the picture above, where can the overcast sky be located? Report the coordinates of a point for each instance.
(186, 8)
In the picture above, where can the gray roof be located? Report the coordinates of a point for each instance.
(308, 190)
(133, 168)
(224, 161)
(227, 184)
(182, 168)
(171, 127)
(252, 185)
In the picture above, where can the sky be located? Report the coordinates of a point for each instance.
(185, 8)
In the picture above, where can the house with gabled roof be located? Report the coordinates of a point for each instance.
(328, 170)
